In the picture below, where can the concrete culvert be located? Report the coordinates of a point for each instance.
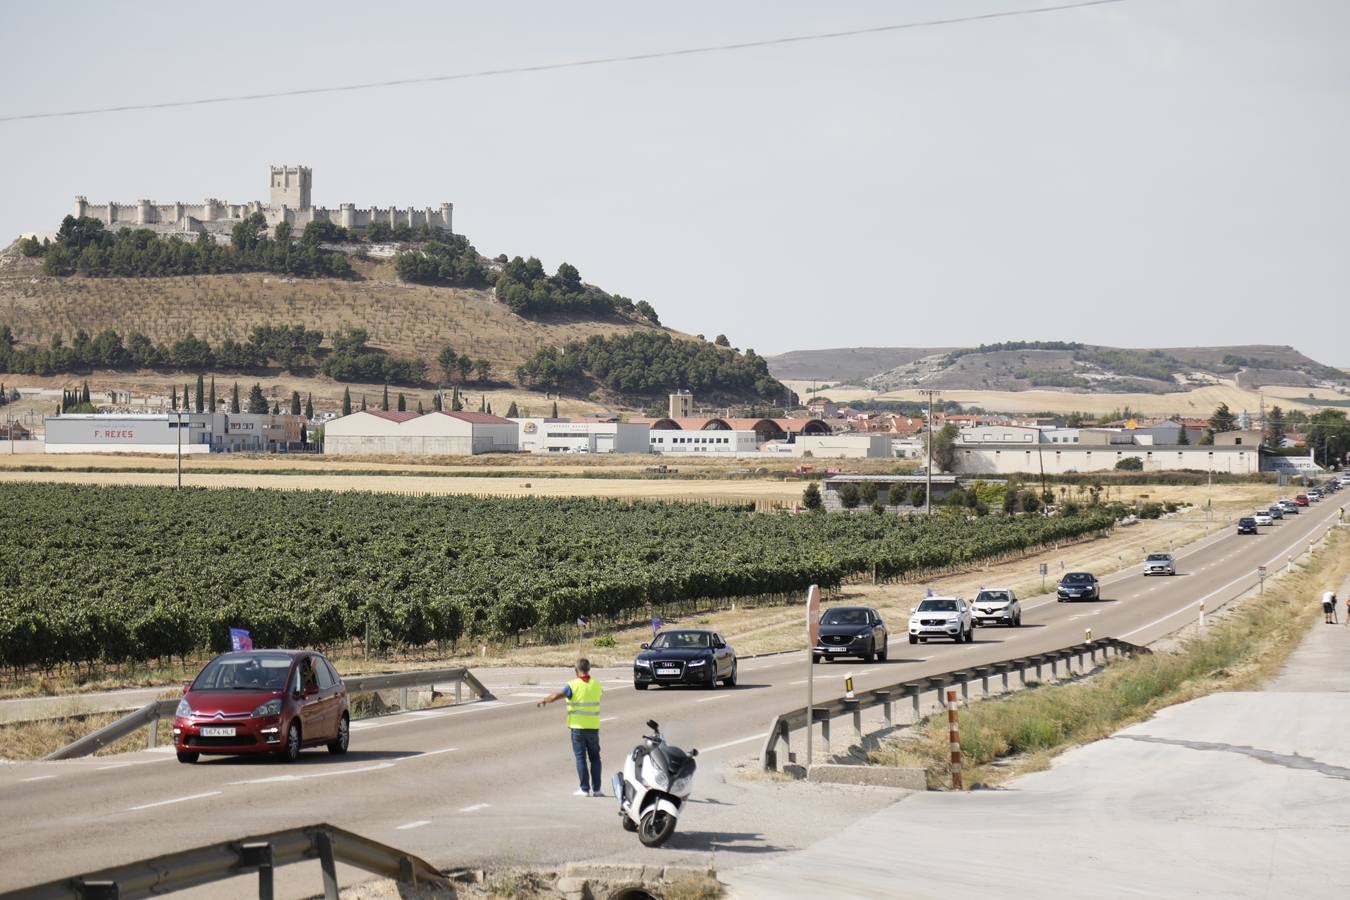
(632, 892)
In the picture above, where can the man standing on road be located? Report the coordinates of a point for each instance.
(583, 717)
(1329, 607)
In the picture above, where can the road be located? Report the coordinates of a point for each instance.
(490, 782)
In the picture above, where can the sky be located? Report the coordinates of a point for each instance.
(1145, 173)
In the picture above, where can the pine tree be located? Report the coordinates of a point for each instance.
(200, 398)
(257, 401)
(512, 412)
(384, 404)
(811, 496)
(402, 402)
(276, 408)
(295, 403)
(347, 401)
(309, 406)
(234, 398)
(213, 393)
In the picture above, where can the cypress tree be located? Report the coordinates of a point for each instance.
(84, 394)
(363, 403)
(489, 409)
(295, 403)
(512, 412)
(173, 398)
(436, 403)
(201, 394)
(309, 406)
(402, 402)
(554, 414)
(384, 404)
(420, 410)
(213, 393)
(346, 401)
(276, 408)
(234, 398)
(482, 403)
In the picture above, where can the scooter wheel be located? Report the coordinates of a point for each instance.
(628, 824)
(656, 828)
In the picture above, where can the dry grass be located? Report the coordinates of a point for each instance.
(1238, 652)
(34, 740)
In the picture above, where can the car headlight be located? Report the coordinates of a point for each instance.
(183, 711)
(681, 785)
(697, 662)
(270, 708)
(642, 663)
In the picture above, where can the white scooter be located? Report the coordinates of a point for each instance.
(657, 778)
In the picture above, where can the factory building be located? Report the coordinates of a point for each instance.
(409, 434)
(541, 435)
(159, 432)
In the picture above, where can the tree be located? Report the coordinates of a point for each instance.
(918, 496)
(402, 402)
(811, 497)
(363, 403)
(897, 494)
(420, 410)
(648, 312)
(849, 496)
(186, 407)
(721, 341)
(257, 402)
(213, 393)
(173, 398)
(234, 398)
(200, 398)
(1130, 464)
(384, 402)
(346, 401)
(1275, 429)
(554, 414)
(309, 406)
(437, 403)
(1222, 420)
(295, 403)
(464, 365)
(944, 447)
(483, 368)
(276, 408)
(868, 492)
(448, 360)
(456, 404)
(512, 412)
(1183, 439)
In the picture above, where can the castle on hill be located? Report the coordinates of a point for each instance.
(290, 202)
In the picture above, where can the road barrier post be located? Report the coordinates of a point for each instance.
(1202, 613)
(886, 711)
(152, 736)
(1261, 574)
(1087, 636)
(954, 739)
(848, 686)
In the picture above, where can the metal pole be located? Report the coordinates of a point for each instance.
(954, 739)
(928, 469)
(810, 690)
(180, 449)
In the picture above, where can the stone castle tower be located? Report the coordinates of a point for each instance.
(290, 187)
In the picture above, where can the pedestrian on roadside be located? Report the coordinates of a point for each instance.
(1329, 607)
(583, 718)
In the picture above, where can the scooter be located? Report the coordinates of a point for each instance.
(656, 780)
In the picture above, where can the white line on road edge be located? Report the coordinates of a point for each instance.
(410, 825)
(117, 766)
(175, 800)
(712, 699)
(531, 696)
(279, 778)
(38, 778)
(476, 807)
(744, 740)
(435, 752)
(609, 718)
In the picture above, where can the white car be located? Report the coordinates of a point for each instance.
(1160, 564)
(941, 617)
(997, 606)
(1263, 517)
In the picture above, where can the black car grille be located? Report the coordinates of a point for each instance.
(243, 740)
(836, 638)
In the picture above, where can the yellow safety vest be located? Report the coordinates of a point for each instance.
(583, 707)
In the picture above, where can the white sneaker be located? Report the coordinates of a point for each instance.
(597, 793)
(581, 793)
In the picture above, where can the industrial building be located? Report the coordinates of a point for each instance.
(890, 488)
(159, 432)
(409, 434)
(541, 435)
(1003, 450)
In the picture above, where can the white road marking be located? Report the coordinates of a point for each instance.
(803, 681)
(326, 774)
(408, 826)
(712, 699)
(174, 800)
(609, 718)
(475, 808)
(38, 778)
(744, 740)
(532, 696)
(117, 766)
(435, 752)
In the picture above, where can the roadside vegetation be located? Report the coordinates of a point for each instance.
(1239, 650)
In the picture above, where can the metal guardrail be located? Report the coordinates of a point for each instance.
(886, 697)
(151, 713)
(262, 854)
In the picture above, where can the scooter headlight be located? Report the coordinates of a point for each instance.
(660, 779)
(681, 786)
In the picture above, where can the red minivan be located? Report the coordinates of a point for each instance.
(262, 701)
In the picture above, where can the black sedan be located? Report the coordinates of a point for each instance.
(694, 657)
(1078, 586)
(851, 631)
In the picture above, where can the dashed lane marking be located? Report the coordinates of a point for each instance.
(609, 719)
(712, 699)
(174, 800)
(275, 779)
(744, 740)
(38, 778)
(475, 808)
(409, 826)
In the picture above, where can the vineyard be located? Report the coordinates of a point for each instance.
(133, 573)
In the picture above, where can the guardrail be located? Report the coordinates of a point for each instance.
(151, 713)
(261, 854)
(886, 697)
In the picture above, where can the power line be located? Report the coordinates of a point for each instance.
(553, 67)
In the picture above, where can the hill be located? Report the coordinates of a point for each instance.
(850, 365)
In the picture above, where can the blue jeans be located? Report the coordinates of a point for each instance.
(586, 747)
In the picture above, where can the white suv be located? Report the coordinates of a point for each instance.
(997, 606)
(941, 617)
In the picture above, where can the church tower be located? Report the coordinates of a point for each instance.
(290, 187)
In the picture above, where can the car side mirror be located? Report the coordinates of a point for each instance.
(720, 645)
(187, 686)
(646, 646)
(913, 609)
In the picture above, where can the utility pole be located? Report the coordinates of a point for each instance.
(179, 413)
(928, 469)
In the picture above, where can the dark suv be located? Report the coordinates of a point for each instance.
(1078, 586)
(851, 631)
(1247, 525)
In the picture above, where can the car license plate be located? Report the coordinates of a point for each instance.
(667, 671)
(217, 732)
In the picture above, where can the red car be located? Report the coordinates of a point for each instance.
(262, 701)
(1301, 500)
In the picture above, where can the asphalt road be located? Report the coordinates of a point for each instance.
(490, 782)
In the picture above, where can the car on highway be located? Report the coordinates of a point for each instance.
(1246, 525)
(1160, 564)
(1290, 507)
(851, 631)
(997, 606)
(1314, 495)
(1276, 511)
(1078, 586)
(1345, 479)
(1262, 517)
(941, 617)
(262, 701)
(1300, 499)
(690, 656)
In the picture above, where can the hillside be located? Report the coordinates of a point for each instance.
(850, 365)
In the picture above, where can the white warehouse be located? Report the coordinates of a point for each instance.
(408, 434)
(540, 435)
(676, 440)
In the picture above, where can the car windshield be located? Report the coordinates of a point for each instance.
(1077, 578)
(1158, 557)
(937, 606)
(682, 640)
(244, 672)
(992, 597)
(1247, 520)
(845, 617)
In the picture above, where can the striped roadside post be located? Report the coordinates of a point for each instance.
(954, 737)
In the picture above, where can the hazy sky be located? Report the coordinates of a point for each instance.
(1151, 173)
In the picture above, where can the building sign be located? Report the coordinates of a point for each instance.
(531, 427)
(241, 426)
(118, 434)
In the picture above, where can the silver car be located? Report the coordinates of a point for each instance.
(997, 606)
(1160, 564)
